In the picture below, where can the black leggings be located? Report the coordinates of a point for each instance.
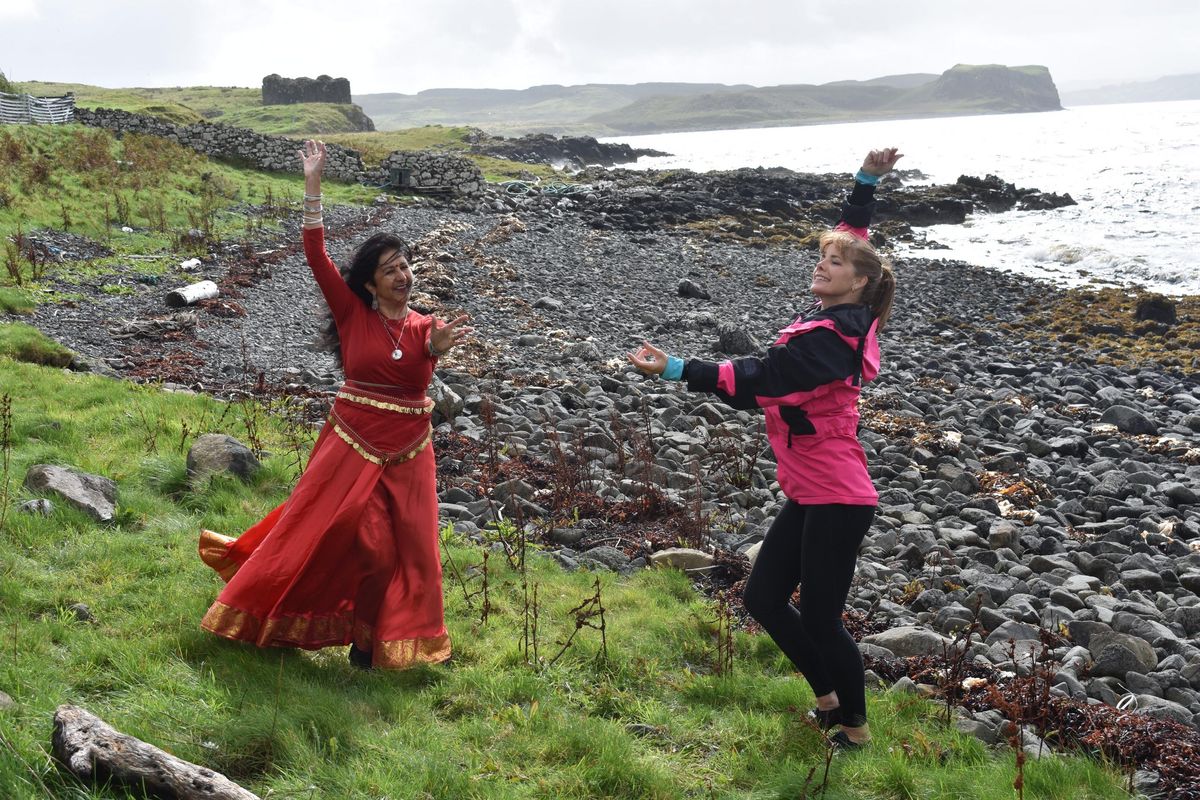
(816, 547)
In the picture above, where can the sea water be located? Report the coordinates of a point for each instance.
(1133, 169)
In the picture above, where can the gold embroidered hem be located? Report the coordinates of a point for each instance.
(379, 457)
(295, 631)
(214, 550)
(404, 653)
(315, 632)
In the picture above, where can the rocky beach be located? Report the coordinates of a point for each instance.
(1039, 479)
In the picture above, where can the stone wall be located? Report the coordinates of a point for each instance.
(425, 170)
(277, 90)
(428, 170)
(240, 145)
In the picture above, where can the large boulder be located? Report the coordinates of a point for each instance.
(1115, 654)
(1128, 420)
(909, 640)
(96, 496)
(218, 452)
(683, 558)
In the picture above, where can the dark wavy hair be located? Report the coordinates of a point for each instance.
(357, 275)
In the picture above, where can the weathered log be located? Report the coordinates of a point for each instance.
(95, 751)
(186, 295)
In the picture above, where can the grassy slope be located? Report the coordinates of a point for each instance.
(652, 721)
(230, 105)
(377, 145)
(85, 181)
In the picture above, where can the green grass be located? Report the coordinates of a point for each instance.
(651, 721)
(88, 182)
(378, 145)
(22, 342)
(15, 301)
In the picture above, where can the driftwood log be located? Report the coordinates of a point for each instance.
(95, 751)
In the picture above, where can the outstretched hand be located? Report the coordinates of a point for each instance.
(881, 162)
(313, 159)
(446, 335)
(648, 359)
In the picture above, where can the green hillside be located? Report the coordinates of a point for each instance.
(231, 105)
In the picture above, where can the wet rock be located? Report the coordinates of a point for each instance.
(1156, 308)
(688, 288)
(1128, 420)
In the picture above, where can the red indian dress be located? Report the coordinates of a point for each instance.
(352, 555)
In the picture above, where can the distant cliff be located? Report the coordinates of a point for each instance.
(611, 109)
(1172, 87)
(963, 89)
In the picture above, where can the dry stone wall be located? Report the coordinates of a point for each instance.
(425, 170)
(272, 153)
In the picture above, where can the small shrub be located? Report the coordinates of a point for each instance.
(12, 149)
(89, 150)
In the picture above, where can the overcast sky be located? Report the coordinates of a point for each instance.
(410, 45)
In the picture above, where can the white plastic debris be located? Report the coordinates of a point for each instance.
(204, 290)
(191, 263)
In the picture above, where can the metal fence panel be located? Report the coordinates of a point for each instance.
(24, 109)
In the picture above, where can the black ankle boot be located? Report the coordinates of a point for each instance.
(360, 658)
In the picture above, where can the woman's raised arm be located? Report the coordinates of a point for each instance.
(337, 294)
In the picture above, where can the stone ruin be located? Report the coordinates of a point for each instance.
(280, 91)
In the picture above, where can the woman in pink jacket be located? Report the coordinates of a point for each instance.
(808, 384)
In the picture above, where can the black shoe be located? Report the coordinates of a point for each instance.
(360, 658)
(825, 719)
(840, 741)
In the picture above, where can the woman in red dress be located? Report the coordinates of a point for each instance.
(351, 557)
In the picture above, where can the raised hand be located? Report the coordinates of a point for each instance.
(648, 359)
(313, 159)
(446, 335)
(881, 162)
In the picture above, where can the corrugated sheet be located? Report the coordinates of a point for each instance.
(17, 109)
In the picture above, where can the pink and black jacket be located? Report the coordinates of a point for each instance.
(808, 383)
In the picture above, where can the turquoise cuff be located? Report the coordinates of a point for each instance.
(674, 370)
(867, 178)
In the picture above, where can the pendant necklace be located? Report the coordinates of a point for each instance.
(397, 353)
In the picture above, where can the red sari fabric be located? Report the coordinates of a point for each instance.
(352, 555)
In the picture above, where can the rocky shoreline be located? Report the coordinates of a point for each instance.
(1026, 485)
